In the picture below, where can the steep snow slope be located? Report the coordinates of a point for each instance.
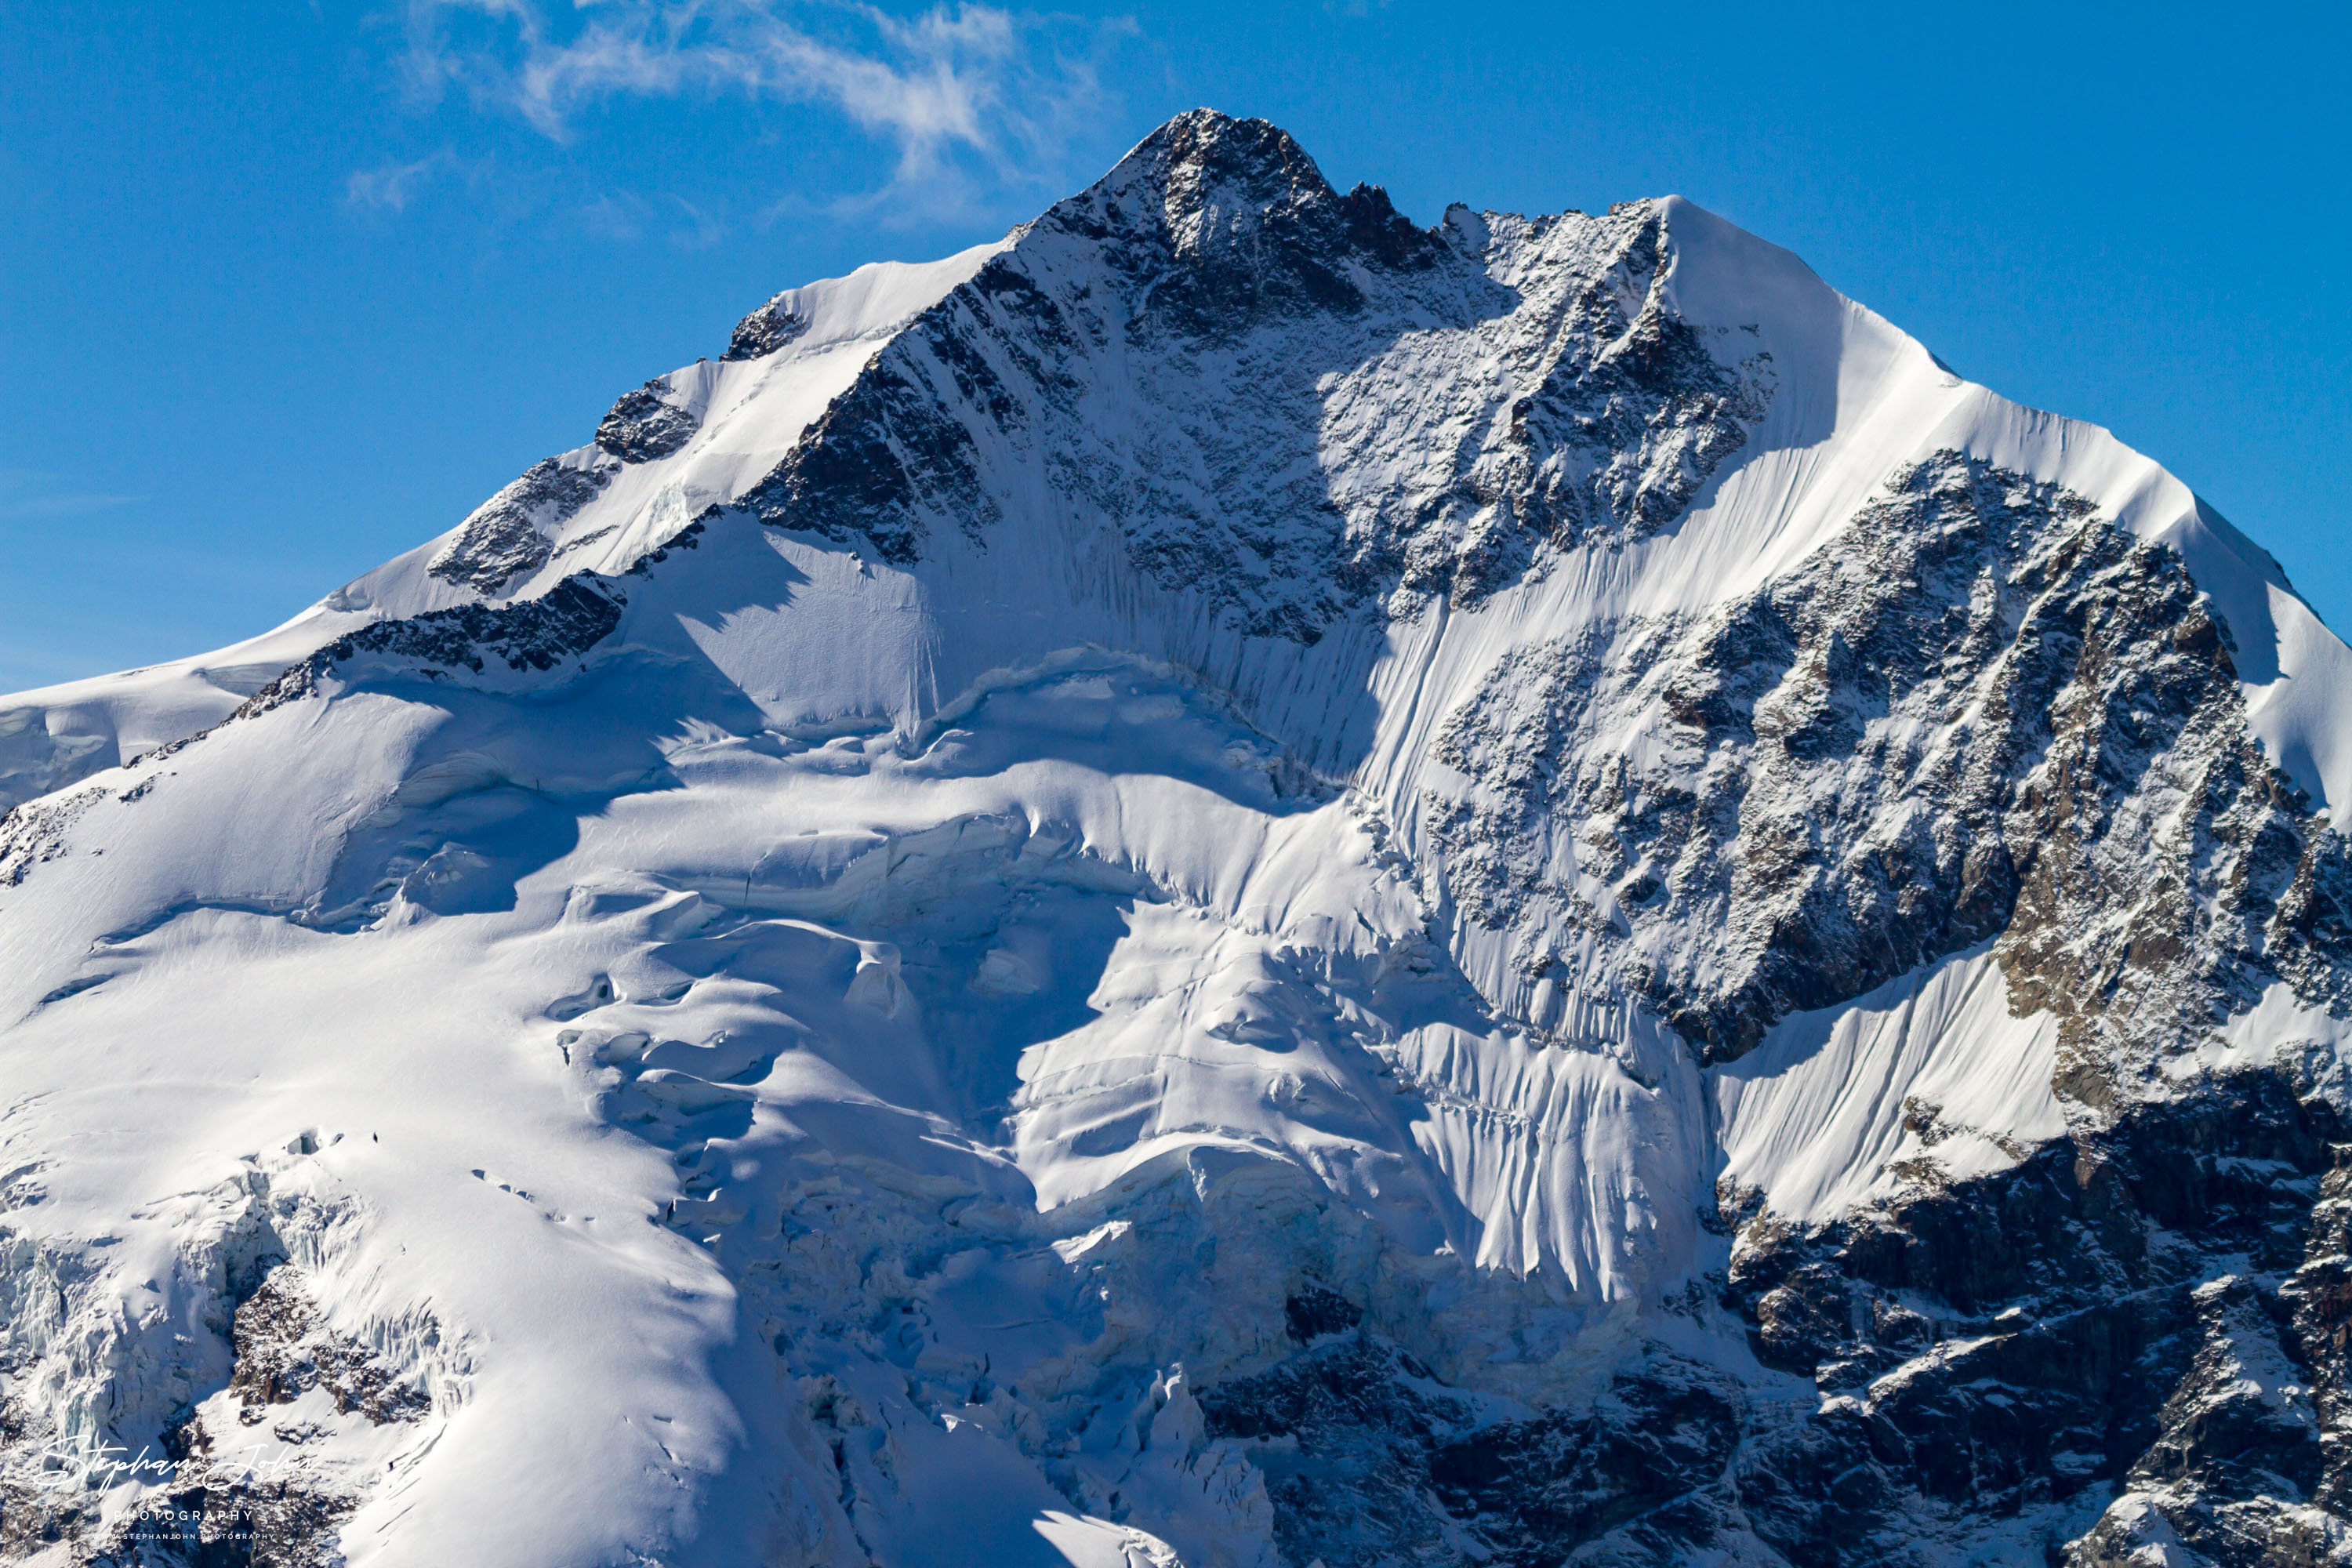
(670, 447)
(1231, 883)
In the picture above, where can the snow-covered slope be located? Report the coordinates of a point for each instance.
(701, 433)
(1231, 883)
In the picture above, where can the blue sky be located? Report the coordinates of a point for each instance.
(287, 288)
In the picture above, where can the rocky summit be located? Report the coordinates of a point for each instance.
(1234, 883)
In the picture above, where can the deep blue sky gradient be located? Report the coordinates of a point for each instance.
(286, 289)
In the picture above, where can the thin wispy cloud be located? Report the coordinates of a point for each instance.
(393, 186)
(964, 97)
(628, 217)
(30, 495)
(697, 229)
(616, 215)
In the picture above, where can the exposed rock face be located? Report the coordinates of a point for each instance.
(219, 1508)
(35, 831)
(1184, 322)
(509, 535)
(252, 1467)
(283, 1352)
(647, 424)
(2018, 1347)
(513, 533)
(2077, 1336)
(1369, 1460)
(764, 330)
(1982, 709)
(536, 634)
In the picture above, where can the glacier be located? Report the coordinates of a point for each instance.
(1232, 882)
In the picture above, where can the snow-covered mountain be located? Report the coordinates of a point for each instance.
(1234, 883)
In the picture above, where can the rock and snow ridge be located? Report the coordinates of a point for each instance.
(1232, 882)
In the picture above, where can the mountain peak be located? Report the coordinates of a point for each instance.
(1203, 157)
(1231, 882)
(1225, 222)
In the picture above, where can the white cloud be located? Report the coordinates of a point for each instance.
(392, 187)
(698, 230)
(958, 93)
(32, 495)
(616, 214)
